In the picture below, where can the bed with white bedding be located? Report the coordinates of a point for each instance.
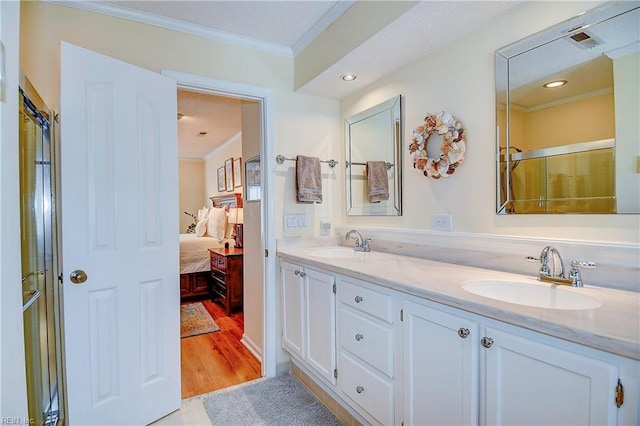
(194, 252)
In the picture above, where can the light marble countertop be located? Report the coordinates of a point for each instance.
(613, 327)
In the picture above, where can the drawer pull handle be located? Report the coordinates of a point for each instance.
(297, 272)
(359, 299)
(487, 342)
(359, 389)
(303, 274)
(359, 337)
(463, 332)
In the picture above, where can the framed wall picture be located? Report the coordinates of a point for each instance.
(252, 180)
(237, 172)
(222, 185)
(228, 172)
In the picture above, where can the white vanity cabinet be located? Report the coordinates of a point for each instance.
(367, 350)
(441, 367)
(309, 317)
(403, 359)
(460, 368)
(545, 383)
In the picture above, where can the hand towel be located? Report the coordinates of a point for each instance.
(377, 181)
(308, 180)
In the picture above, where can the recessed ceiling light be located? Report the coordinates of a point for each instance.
(555, 83)
(348, 77)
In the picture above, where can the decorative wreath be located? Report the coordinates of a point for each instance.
(452, 149)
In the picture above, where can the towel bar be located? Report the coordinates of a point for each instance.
(353, 163)
(281, 159)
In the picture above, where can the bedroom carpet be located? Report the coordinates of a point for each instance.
(195, 320)
(277, 401)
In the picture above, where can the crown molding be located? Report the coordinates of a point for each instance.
(327, 19)
(175, 25)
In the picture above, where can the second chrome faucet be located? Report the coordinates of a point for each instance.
(362, 244)
(556, 273)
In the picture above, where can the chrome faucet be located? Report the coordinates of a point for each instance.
(362, 244)
(557, 274)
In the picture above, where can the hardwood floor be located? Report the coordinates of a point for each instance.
(217, 360)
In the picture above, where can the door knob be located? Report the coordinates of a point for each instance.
(78, 276)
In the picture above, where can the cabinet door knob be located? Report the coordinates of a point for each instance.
(359, 389)
(359, 337)
(359, 299)
(486, 342)
(463, 332)
(297, 272)
(303, 274)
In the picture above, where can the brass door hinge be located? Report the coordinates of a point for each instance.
(401, 314)
(619, 394)
(334, 288)
(266, 252)
(335, 373)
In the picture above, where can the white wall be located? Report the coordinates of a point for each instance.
(253, 246)
(13, 397)
(460, 79)
(191, 187)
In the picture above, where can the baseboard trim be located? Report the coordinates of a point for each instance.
(251, 345)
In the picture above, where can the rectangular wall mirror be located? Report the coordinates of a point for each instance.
(575, 147)
(374, 135)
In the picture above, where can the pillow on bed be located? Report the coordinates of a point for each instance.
(216, 223)
(203, 213)
(201, 227)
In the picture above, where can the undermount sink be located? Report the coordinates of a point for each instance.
(334, 252)
(540, 295)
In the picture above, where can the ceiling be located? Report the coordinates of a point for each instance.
(286, 28)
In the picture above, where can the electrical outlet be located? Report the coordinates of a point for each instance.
(442, 222)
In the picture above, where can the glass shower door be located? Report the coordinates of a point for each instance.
(39, 288)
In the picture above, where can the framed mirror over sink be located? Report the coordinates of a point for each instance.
(567, 108)
(374, 160)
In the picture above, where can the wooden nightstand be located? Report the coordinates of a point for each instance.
(226, 277)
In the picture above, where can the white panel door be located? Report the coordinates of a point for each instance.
(292, 308)
(441, 367)
(532, 383)
(321, 323)
(119, 216)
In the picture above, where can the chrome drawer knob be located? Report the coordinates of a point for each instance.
(359, 299)
(359, 337)
(359, 389)
(297, 272)
(463, 332)
(303, 274)
(487, 342)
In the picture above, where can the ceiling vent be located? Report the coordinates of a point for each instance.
(583, 40)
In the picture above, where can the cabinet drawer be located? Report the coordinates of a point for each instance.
(368, 389)
(366, 300)
(371, 341)
(221, 263)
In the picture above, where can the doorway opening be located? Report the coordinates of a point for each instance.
(216, 132)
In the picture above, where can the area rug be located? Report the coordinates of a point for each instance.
(277, 401)
(195, 320)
